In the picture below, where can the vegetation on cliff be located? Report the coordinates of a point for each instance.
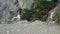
(58, 16)
(39, 9)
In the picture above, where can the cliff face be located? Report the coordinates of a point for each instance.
(25, 3)
(6, 6)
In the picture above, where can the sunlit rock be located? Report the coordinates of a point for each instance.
(25, 3)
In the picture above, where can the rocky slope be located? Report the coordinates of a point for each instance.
(7, 6)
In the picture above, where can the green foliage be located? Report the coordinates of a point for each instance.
(40, 14)
(58, 15)
(27, 14)
(45, 4)
(41, 4)
(54, 0)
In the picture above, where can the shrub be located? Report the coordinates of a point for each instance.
(41, 4)
(40, 14)
(45, 4)
(27, 14)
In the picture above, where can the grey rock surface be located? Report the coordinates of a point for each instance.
(32, 28)
(5, 7)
